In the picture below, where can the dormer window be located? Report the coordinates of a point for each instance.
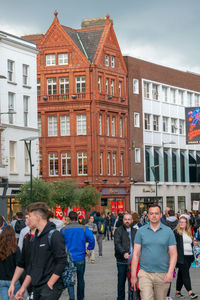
(112, 61)
(107, 60)
(50, 60)
(63, 58)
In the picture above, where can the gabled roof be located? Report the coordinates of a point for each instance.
(86, 40)
(34, 38)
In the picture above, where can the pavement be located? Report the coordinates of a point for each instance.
(101, 277)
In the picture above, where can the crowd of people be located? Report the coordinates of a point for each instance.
(41, 255)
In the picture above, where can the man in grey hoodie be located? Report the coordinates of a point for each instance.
(171, 220)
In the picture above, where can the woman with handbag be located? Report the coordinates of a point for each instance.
(184, 241)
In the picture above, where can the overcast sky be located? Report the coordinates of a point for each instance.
(162, 31)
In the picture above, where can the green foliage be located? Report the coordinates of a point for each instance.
(42, 192)
(88, 198)
(66, 193)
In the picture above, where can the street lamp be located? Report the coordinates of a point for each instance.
(27, 142)
(153, 169)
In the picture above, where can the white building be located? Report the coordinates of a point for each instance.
(160, 156)
(18, 113)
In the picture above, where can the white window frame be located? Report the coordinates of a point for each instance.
(165, 93)
(165, 124)
(38, 87)
(120, 88)
(113, 126)
(64, 85)
(181, 126)
(99, 84)
(65, 125)
(81, 156)
(51, 86)
(114, 163)
(189, 98)
(173, 95)
(11, 70)
(136, 119)
(181, 97)
(52, 126)
(11, 106)
(108, 125)
(135, 86)
(106, 60)
(101, 163)
(112, 87)
(100, 124)
(155, 123)
(107, 85)
(63, 58)
(146, 90)
(80, 84)
(121, 127)
(121, 163)
(26, 100)
(155, 91)
(197, 100)
(174, 127)
(147, 121)
(13, 156)
(81, 124)
(25, 70)
(50, 59)
(112, 61)
(53, 157)
(108, 163)
(65, 158)
(137, 156)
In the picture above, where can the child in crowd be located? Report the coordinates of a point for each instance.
(196, 251)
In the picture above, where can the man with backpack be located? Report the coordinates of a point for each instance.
(48, 258)
(100, 222)
(75, 236)
(19, 223)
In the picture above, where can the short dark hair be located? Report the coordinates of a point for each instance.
(20, 215)
(154, 205)
(73, 215)
(39, 207)
(50, 215)
(98, 214)
(1, 221)
(171, 213)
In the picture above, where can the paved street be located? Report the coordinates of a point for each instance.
(101, 278)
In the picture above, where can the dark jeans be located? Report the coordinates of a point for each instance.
(121, 281)
(183, 277)
(45, 293)
(109, 232)
(80, 265)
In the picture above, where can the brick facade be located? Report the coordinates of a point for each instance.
(87, 50)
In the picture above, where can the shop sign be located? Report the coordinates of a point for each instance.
(148, 190)
(113, 191)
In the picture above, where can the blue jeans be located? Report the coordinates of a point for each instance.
(71, 292)
(121, 277)
(80, 265)
(4, 286)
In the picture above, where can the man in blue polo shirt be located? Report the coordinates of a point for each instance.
(155, 244)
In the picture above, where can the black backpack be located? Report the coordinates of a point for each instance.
(101, 227)
(19, 225)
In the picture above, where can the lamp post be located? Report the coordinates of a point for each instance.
(27, 142)
(153, 169)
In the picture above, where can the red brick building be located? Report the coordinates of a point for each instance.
(83, 108)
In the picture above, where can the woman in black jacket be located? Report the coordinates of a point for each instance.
(184, 241)
(9, 255)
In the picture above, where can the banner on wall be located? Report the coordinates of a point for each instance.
(192, 121)
(117, 206)
(195, 205)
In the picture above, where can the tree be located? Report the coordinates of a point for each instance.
(66, 193)
(88, 198)
(42, 192)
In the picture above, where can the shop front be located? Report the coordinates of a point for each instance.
(114, 200)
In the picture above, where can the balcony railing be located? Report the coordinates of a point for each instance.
(64, 97)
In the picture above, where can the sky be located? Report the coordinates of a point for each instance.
(165, 32)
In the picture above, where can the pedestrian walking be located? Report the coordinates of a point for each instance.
(48, 260)
(100, 222)
(9, 255)
(75, 236)
(93, 227)
(184, 241)
(108, 225)
(123, 241)
(171, 220)
(155, 244)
